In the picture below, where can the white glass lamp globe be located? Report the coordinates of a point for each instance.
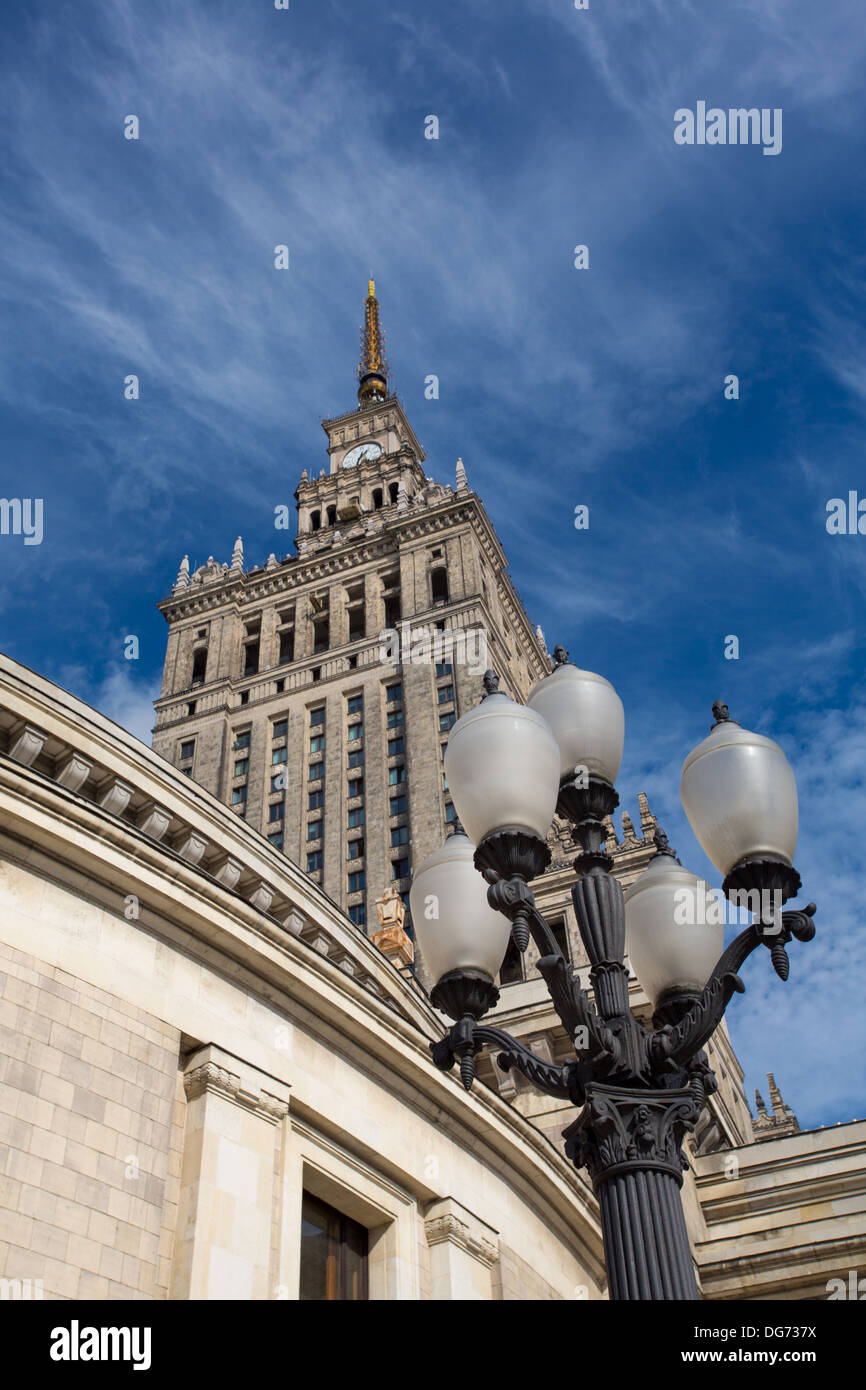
(502, 766)
(740, 795)
(587, 719)
(674, 929)
(454, 924)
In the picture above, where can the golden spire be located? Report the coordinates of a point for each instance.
(373, 368)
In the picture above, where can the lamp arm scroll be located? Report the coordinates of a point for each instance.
(679, 1044)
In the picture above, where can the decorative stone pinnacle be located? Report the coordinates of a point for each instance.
(182, 581)
(237, 565)
(462, 484)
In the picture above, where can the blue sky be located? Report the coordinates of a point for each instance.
(557, 387)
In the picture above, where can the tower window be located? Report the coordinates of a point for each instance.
(287, 646)
(187, 749)
(332, 515)
(199, 665)
(377, 499)
(317, 716)
(439, 584)
(511, 972)
(320, 635)
(393, 490)
(251, 658)
(358, 914)
(399, 869)
(315, 521)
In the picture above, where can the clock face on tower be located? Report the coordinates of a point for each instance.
(363, 451)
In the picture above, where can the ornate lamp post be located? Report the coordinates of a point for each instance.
(639, 1090)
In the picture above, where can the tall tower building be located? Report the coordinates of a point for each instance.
(280, 694)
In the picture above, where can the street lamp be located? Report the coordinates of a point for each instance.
(639, 1090)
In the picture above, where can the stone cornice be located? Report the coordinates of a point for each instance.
(449, 1228)
(220, 1081)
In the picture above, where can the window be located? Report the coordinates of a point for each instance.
(280, 686)
(320, 635)
(251, 658)
(187, 771)
(356, 818)
(393, 489)
(393, 612)
(450, 813)
(442, 748)
(399, 868)
(317, 716)
(317, 743)
(445, 693)
(400, 836)
(377, 499)
(439, 584)
(239, 795)
(356, 731)
(332, 515)
(281, 728)
(560, 931)
(358, 914)
(333, 1255)
(393, 692)
(315, 800)
(242, 767)
(317, 770)
(276, 811)
(190, 709)
(353, 663)
(356, 704)
(395, 719)
(356, 787)
(245, 697)
(445, 722)
(395, 746)
(443, 668)
(317, 674)
(276, 840)
(315, 520)
(357, 881)
(187, 749)
(398, 805)
(511, 971)
(396, 775)
(356, 849)
(356, 759)
(199, 665)
(314, 861)
(287, 647)
(243, 740)
(356, 624)
(314, 830)
(279, 755)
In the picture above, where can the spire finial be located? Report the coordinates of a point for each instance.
(373, 367)
(721, 715)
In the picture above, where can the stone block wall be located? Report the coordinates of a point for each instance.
(91, 1133)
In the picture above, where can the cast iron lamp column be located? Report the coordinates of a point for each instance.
(640, 1090)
